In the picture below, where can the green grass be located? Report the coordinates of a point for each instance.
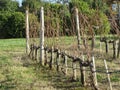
(19, 72)
(12, 72)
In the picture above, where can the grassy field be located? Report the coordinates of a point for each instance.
(19, 72)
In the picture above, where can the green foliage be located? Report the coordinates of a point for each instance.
(105, 25)
(94, 10)
(58, 18)
(34, 25)
(16, 25)
(115, 78)
(12, 24)
(101, 23)
(32, 5)
(100, 5)
(82, 6)
(8, 5)
(4, 15)
(54, 14)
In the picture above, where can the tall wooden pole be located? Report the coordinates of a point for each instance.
(27, 33)
(42, 36)
(77, 27)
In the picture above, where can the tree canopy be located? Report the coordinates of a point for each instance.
(8, 5)
(59, 16)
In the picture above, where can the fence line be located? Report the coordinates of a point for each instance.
(64, 56)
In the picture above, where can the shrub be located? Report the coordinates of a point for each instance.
(3, 20)
(16, 25)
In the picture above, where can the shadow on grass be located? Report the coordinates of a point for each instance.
(59, 80)
(53, 78)
(7, 84)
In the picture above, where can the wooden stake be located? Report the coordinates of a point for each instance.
(93, 79)
(66, 66)
(106, 45)
(74, 71)
(108, 75)
(94, 72)
(82, 71)
(119, 13)
(46, 57)
(118, 53)
(36, 54)
(27, 33)
(32, 53)
(114, 50)
(51, 59)
(93, 43)
(58, 60)
(77, 27)
(42, 37)
(100, 46)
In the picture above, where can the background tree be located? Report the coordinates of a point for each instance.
(89, 10)
(15, 25)
(11, 21)
(32, 5)
(4, 15)
(9, 5)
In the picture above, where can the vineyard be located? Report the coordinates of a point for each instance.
(76, 57)
(69, 45)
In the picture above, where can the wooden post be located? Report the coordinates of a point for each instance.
(27, 33)
(42, 36)
(93, 79)
(51, 59)
(93, 43)
(94, 72)
(82, 71)
(114, 50)
(77, 27)
(66, 66)
(118, 53)
(106, 45)
(119, 13)
(46, 57)
(36, 54)
(74, 71)
(34, 47)
(32, 53)
(108, 75)
(100, 46)
(58, 60)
